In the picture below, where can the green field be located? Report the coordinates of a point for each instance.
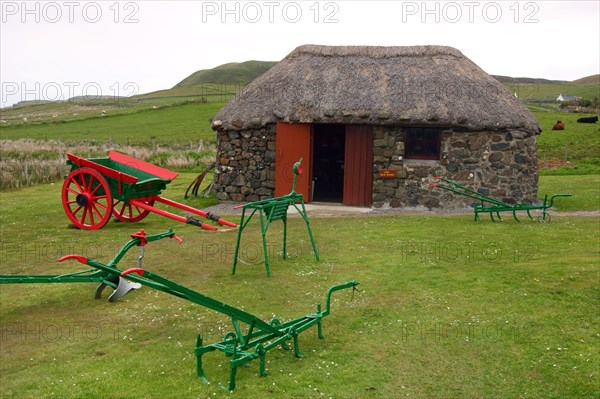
(166, 125)
(447, 308)
(579, 143)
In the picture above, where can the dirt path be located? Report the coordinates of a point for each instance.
(321, 210)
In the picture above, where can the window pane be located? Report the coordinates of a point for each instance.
(422, 143)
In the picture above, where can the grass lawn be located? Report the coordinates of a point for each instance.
(585, 190)
(448, 308)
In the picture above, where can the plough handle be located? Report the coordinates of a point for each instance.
(137, 270)
(79, 258)
(331, 290)
(138, 239)
(464, 191)
(155, 237)
(557, 195)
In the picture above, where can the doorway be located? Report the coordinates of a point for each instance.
(337, 162)
(329, 142)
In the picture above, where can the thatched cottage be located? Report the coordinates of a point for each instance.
(373, 125)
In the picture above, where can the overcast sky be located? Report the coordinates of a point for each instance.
(57, 49)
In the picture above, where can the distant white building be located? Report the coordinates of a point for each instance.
(566, 97)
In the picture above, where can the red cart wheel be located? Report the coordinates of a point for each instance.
(87, 199)
(126, 212)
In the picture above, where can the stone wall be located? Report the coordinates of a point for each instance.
(245, 164)
(499, 164)
(502, 165)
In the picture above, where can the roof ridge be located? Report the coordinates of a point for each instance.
(376, 51)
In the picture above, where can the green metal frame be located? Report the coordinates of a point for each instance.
(242, 346)
(84, 276)
(493, 206)
(93, 275)
(270, 210)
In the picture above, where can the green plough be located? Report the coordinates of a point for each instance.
(242, 344)
(493, 206)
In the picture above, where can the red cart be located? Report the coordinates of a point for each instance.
(122, 186)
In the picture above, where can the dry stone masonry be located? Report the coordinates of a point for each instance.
(246, 164)
(501, 164)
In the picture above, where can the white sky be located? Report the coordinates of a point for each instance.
(52, 50)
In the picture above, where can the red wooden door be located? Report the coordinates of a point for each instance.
(358, 166)
(292, 142)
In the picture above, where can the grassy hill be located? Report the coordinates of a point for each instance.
(550, 91)
(588, 80)
(511, 80)
(235, 73)
(218, 84)
(586, 87)
(182, 113)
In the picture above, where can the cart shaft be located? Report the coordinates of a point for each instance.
(189, 220)
(195, 211)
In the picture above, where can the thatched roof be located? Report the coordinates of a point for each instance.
(420, 85)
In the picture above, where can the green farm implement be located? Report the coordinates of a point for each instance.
(120, 285)
(105, 278)
(251, 337)
(270, 210)
(122, 186)
(493, 206)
